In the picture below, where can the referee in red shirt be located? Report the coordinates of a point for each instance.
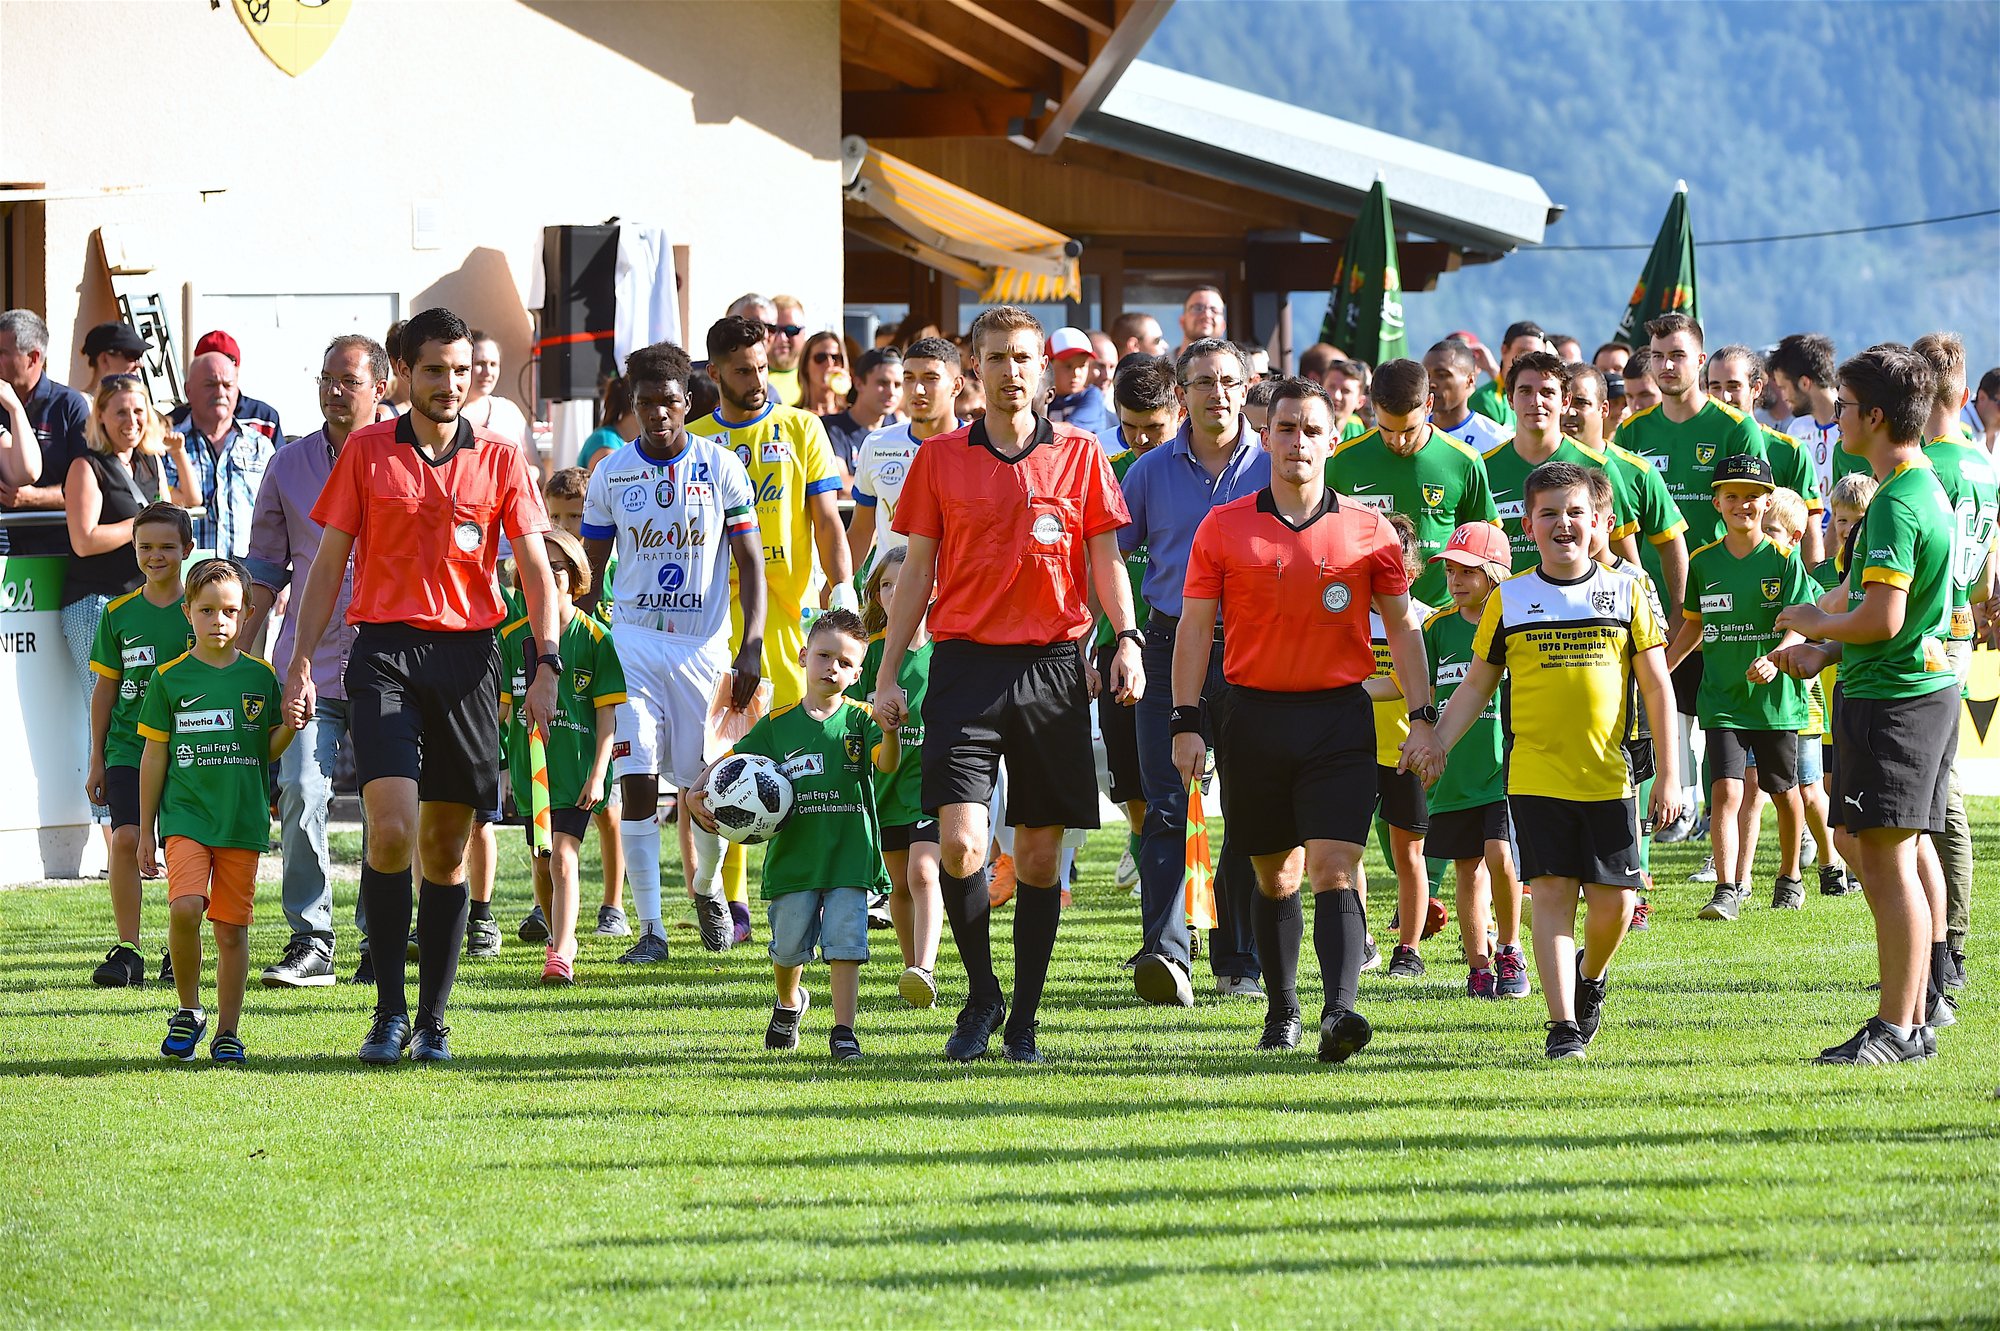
(1295, 572)
(1011, 519)
(420, 502)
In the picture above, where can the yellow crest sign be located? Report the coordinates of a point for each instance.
(293, 33)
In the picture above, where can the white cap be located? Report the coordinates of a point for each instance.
(1069, 342)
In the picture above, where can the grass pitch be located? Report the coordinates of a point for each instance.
(625, 1153)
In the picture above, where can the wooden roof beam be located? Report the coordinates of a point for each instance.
(943, 32)
(1136, 22)
(1079, 13)
(1070, 56)
(918, 115)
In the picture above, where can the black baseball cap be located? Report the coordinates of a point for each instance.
(113, 337)
(1743, 469)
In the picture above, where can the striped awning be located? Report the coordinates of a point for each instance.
(1011, 259)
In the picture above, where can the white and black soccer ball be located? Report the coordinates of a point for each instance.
(749, 797)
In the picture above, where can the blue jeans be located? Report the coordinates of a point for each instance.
(1163, 843)
(305, 789)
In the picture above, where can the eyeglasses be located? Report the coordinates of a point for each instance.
(829, 358)
(1205, 309)
(1841, 404)
(346, 383)
(789, 330)
(1209, 383)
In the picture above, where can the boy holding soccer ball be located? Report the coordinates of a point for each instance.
(827, 857)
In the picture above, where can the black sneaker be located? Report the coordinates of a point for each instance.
(166, 968)
(974, 1033)
(482, 938)
(650, 948)
(1874, 1044)
(1788, 894)
(1282, 1031)
(718, 930)
(1566, 1041)
(1723, 905)
(364, 970)
(122, 968)
(1589, 1003)
(534, 927)
(1832, 880)
(429, 1044)
(1405, 964)
(1957, 980)
(1019, 1046)
(388, 1036)
(1941, 1011)
(304, 965)
(1343, 1034)
(1928, 1038)
(783, 1032)
(184, 1032)
(1159, 979)
(840, 1042)
(227, 1049)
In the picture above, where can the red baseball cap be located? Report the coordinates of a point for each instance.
(1465, 335)
(222, 342)
(1477, 543)
(1069, 342)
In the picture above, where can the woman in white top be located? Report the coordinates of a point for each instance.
(484, 406)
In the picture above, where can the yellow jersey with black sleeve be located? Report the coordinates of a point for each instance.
(786, 453)
(1567, 648)
(1392, 714)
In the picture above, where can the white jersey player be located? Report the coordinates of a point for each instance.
(932, 380)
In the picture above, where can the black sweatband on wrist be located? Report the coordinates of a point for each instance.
(1184, 721)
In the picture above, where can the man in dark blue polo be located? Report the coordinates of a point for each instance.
(1215, 458)
(58, 415)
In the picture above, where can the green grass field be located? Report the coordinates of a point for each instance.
(625, 1153)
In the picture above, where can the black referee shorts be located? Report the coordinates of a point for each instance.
(426, 705)
(1027, 704)
(1402, 795)
(1119, 725)
(1297, 767)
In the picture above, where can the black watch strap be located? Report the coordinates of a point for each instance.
(1428, 714)
(1138, 637)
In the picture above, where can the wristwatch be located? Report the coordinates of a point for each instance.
(1138, 637)
(1428, 714)
(551, 660)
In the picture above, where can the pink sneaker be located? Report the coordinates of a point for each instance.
(1479, 984)
(1640, 915)
(1510, 970)
(557, 970)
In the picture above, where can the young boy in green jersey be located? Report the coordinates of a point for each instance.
(138, 633)
(827, 858)
(909, 837)
(1402, 819)
(577, 746)
(212, 729)
(1737, 586)
(1468, 805)
(1569, 636)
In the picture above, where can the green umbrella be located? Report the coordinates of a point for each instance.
(1668, 280)
(1364, 310)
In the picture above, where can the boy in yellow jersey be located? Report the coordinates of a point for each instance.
(796, 482)
(1570, 636)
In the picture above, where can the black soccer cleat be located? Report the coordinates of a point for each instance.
(1342, 1035)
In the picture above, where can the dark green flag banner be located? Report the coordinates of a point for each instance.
(1667, 283)
(1364, 308)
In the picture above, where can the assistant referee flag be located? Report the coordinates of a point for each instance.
(1667, 282)
(1364, 309)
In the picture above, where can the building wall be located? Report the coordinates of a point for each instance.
(719, 121)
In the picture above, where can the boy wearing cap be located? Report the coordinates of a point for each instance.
(1075, 400)
(1736, 588)
(1468, 805)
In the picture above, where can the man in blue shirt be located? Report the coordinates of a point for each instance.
(1076, 400)
(1215, 458)
(57, 415)
(229, 457)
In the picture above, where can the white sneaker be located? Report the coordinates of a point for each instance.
(1706, 873)
(1128, 872)
(1238, 986)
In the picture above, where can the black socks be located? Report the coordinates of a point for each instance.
(441, 913)
(479, 910)
(385, 899)
(1340, 937)
(970, 912)
(1037, 915)
(1279, 927)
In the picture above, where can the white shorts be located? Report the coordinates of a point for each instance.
(663, 722)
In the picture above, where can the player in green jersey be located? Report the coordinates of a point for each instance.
(1405, 465)
(827, 857)
(1896, 727)
(1346, 384)
(1540, 389)
(212, 729)
(137, 633)
(1650, 535)
(1468, 805)
(1494, 399)
(577, 746)
(1735, 378)
(1736, 588)
(909, 835)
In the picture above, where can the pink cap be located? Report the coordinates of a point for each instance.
(1478, 543)
(1069, 342)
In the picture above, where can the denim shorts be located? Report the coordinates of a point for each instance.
(1811, 768)
(835, 919)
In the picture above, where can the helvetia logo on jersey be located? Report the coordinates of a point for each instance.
(1771, 587)
(806, 764)
(205, 721)
(1705, 454)
(1380, 503)
(136, 658)
(1336, 597)
(1452, 672)
(1717, 602)
(1512, 510)
(1433, 496)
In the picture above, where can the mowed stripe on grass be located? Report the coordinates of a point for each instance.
(625, 1151)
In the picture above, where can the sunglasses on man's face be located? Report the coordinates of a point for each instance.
(789, 330)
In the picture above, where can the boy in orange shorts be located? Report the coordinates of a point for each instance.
(211, 723)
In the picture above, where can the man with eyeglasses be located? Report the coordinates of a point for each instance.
(353, 378)
(1213, 459)
(1203, 315)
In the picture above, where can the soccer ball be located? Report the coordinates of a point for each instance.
(749, 797)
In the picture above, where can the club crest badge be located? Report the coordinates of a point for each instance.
(1337, 597)
(1433, 496)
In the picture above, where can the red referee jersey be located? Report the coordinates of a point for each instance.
(1295, 600)
(1011, 531)
(426, 534)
